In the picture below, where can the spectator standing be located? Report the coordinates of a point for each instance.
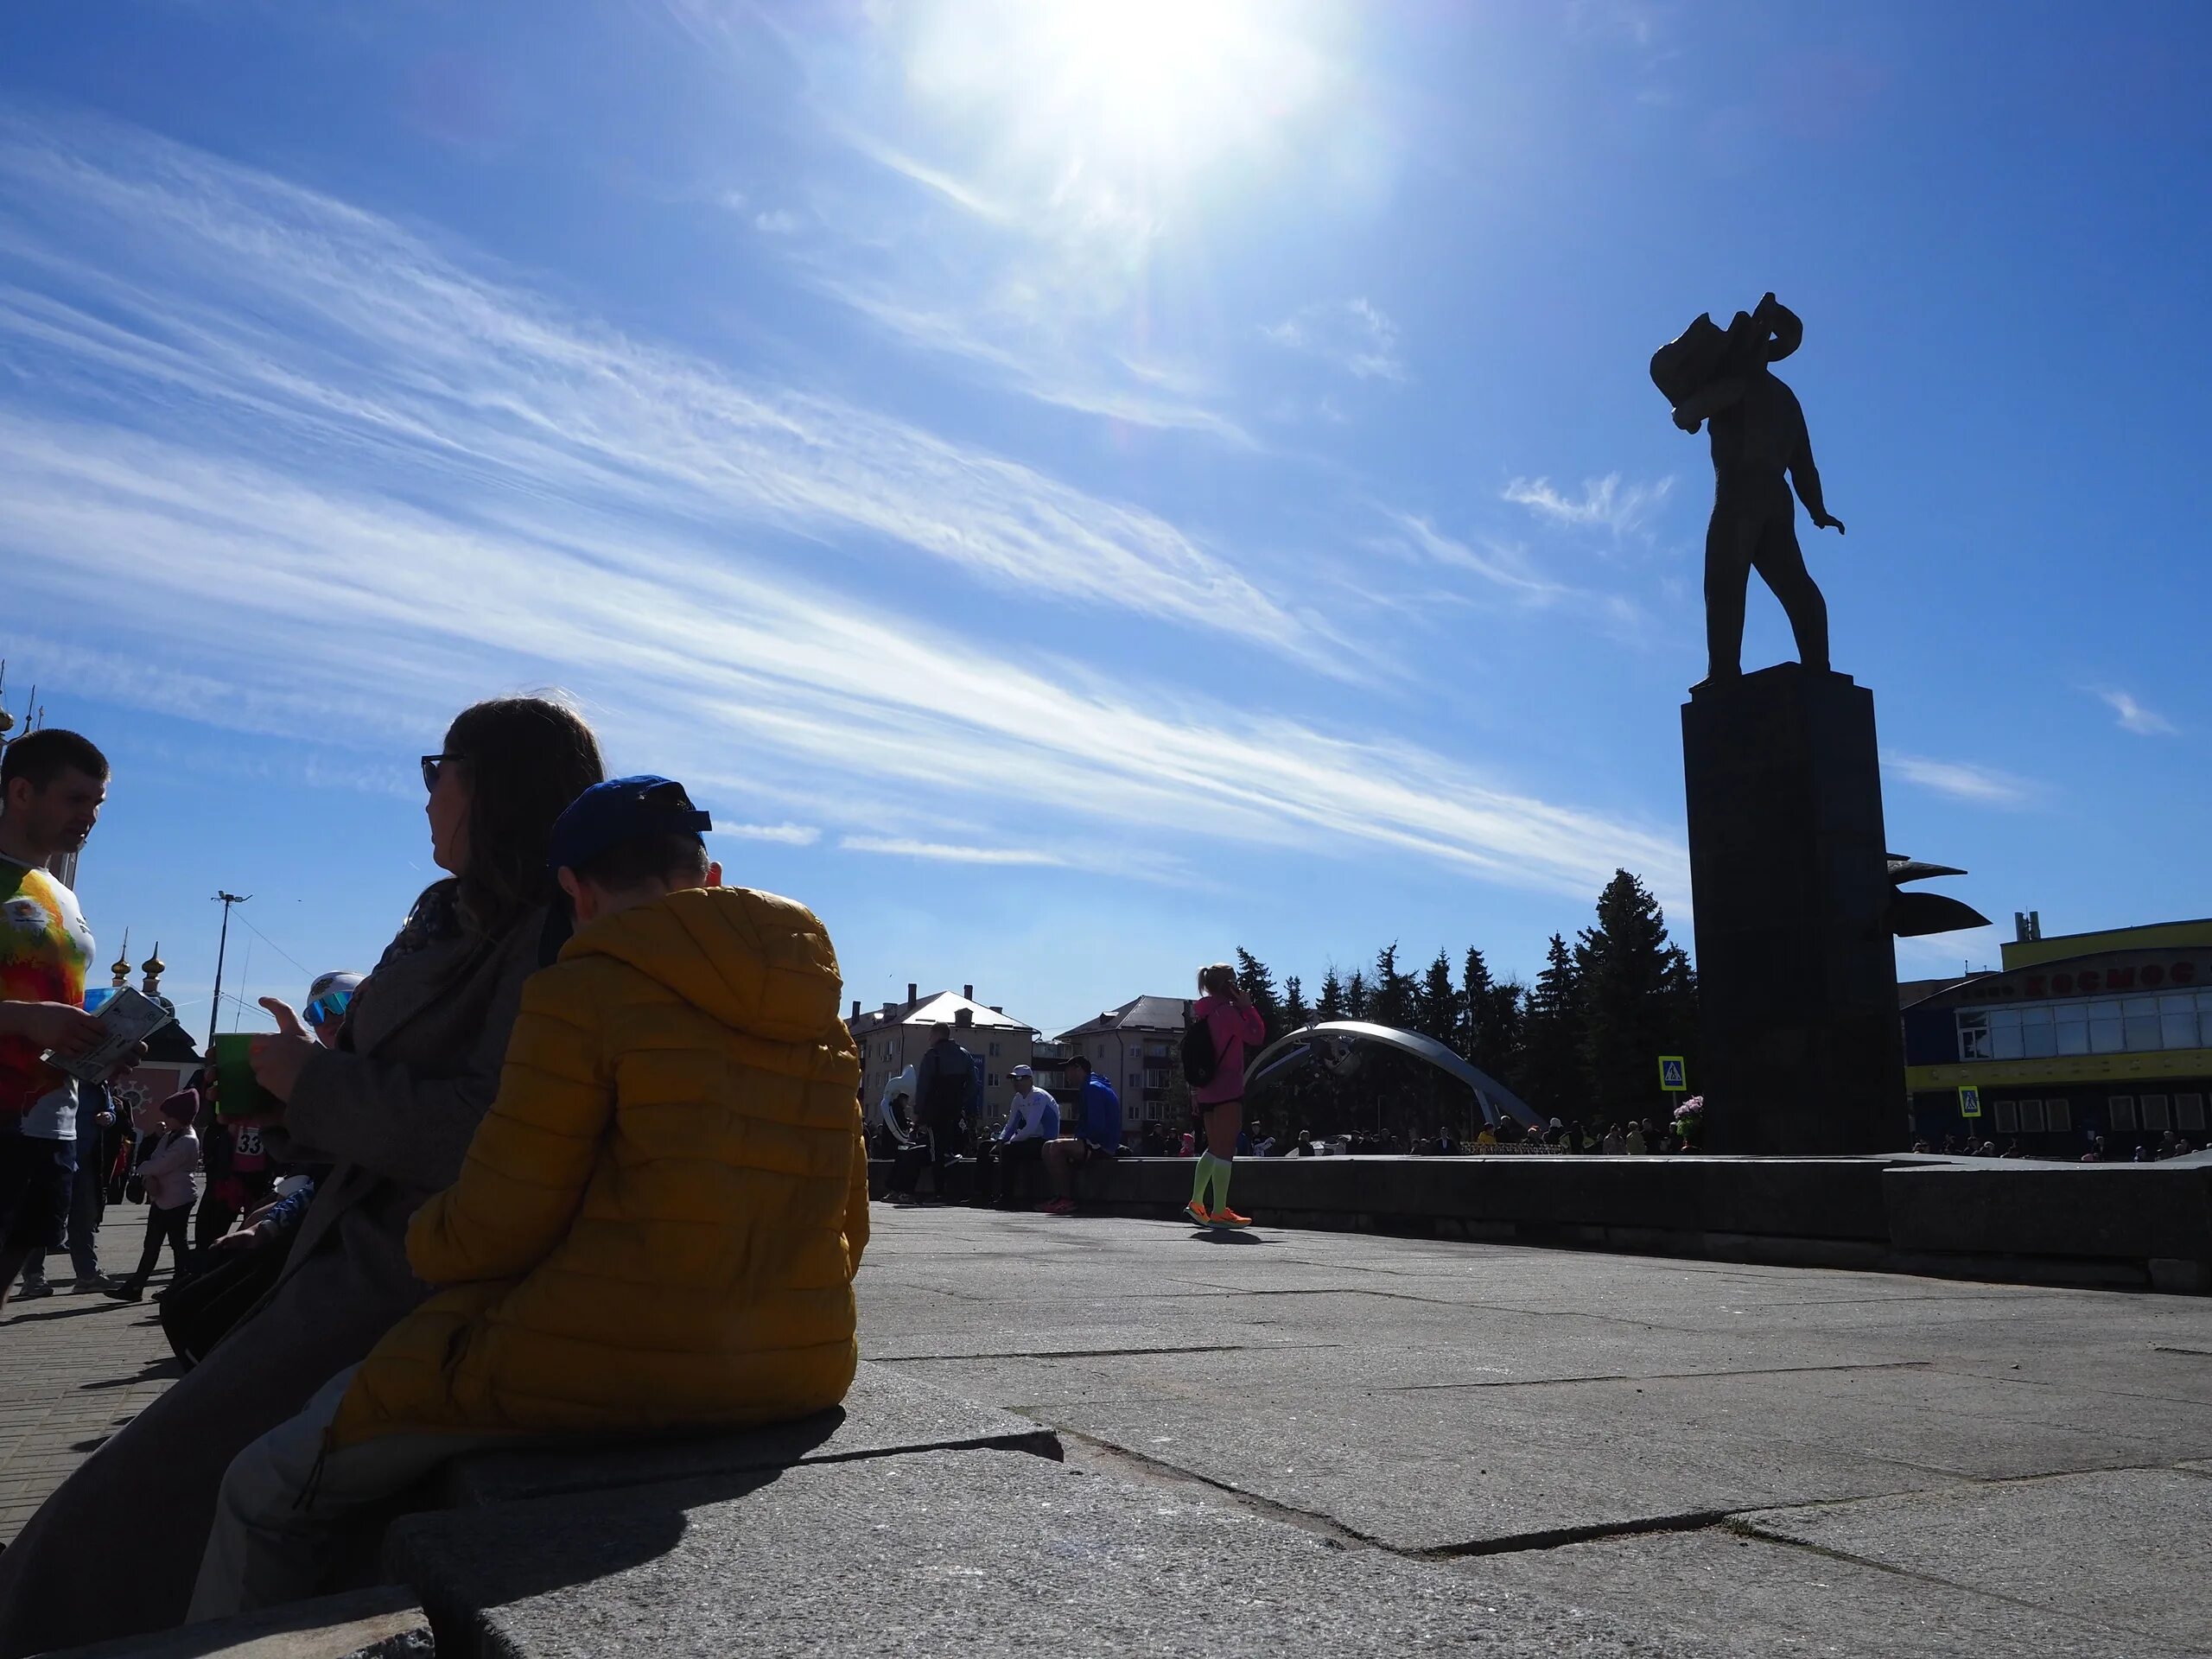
(945, 1077)
(1033, 1122)
(1636, 1144)
(1224, 1021)
(1096, 1135)
(87, 1198)
(171, 1172)
(52, 784)
(1615, 1144)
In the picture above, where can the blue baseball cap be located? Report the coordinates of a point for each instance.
(621, 809)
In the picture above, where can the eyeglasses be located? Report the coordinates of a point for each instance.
(331, 1005)
(434, 763)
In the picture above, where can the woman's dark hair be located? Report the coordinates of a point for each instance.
(526, 758)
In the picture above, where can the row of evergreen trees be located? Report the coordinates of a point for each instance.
(1582, 1043)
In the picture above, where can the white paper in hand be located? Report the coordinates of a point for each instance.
(129, 1017)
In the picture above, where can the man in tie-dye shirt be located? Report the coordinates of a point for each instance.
(52, 786)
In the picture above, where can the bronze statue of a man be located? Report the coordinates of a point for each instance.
(1758, 435)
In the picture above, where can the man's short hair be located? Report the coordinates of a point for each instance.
(671, 858)
(1080, 1060)
(43, 756)
(940, 1029)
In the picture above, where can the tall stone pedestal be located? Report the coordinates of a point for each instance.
(1789, 871)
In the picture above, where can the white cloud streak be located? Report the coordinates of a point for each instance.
(2132, 716)
(1962, 781)
(275, 303)
(1605, 503)
(365, 479)
(788, 834)
(949, 853)
(1353, 335)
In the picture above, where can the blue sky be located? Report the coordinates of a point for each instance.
(1076, 488)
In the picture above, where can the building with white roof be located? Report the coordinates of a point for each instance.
(894, 1036)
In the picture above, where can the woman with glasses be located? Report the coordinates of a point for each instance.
(389, 1101)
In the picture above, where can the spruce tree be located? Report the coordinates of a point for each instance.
(1260, 985)
(1356, 996)
(1391, 997)
(1295, 1013)
(1633, 986)
(1556, 1083)
(1332, 1005)
(1438, 1009)
(1493, 1016)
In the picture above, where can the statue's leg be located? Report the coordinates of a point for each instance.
(1727, 574)
(1782, 561)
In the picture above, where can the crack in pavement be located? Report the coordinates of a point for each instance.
(1656, 1377)
(1105, 1353)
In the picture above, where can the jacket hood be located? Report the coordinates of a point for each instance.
(750, 960)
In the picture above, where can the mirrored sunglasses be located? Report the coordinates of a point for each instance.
(331, 1005)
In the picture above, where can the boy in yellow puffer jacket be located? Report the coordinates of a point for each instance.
(658, 1224)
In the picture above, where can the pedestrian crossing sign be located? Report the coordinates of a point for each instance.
(1670, 1075)
(1969, 1101)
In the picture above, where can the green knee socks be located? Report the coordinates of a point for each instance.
(1212, 1172)
(1202, 1180)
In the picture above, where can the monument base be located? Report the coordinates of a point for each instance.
(1790, 875)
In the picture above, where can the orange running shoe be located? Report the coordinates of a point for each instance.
(1197, 1212)
(1226, 1216)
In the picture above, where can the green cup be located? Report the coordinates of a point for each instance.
(239, 1093)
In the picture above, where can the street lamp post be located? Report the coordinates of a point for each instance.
(226, 900)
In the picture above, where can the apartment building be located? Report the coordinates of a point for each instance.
(892, 1037)
(1136, 1048)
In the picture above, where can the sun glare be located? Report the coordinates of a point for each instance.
(1168, 86)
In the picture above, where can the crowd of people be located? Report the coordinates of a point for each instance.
(577, 1157)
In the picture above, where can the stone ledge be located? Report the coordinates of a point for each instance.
(384, 1623)
(884, 1414)
(2144, 1226)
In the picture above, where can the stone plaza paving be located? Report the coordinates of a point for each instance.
(73, 1368)
(1375, 1443)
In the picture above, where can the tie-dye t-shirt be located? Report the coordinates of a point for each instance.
(45, 950)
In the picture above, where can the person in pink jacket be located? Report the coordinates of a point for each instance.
(1232, 1025)
(171, 1173)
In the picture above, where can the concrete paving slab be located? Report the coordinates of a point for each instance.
(384, 1623)
(883, 1413)
(2098, 1546)
(952, 1552)
(1752, 1598)
(1446, 1468)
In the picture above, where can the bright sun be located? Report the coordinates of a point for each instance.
(1169, 85)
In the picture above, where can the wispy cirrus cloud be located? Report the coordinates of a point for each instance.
(2132, 715)
(1604, 504)
(1508, 567)
(787, 835)
(949, 853)
(374, 484)
(258, 301)
(1963, 781)
(1353, 335)
(1502, 564)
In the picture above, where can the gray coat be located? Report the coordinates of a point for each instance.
(396, 1116)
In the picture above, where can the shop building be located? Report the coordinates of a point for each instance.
(2082, 1035)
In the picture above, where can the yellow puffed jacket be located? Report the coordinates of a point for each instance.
(660, 1218)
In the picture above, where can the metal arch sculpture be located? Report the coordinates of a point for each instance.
(1334, 1046)
(905, 1130)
